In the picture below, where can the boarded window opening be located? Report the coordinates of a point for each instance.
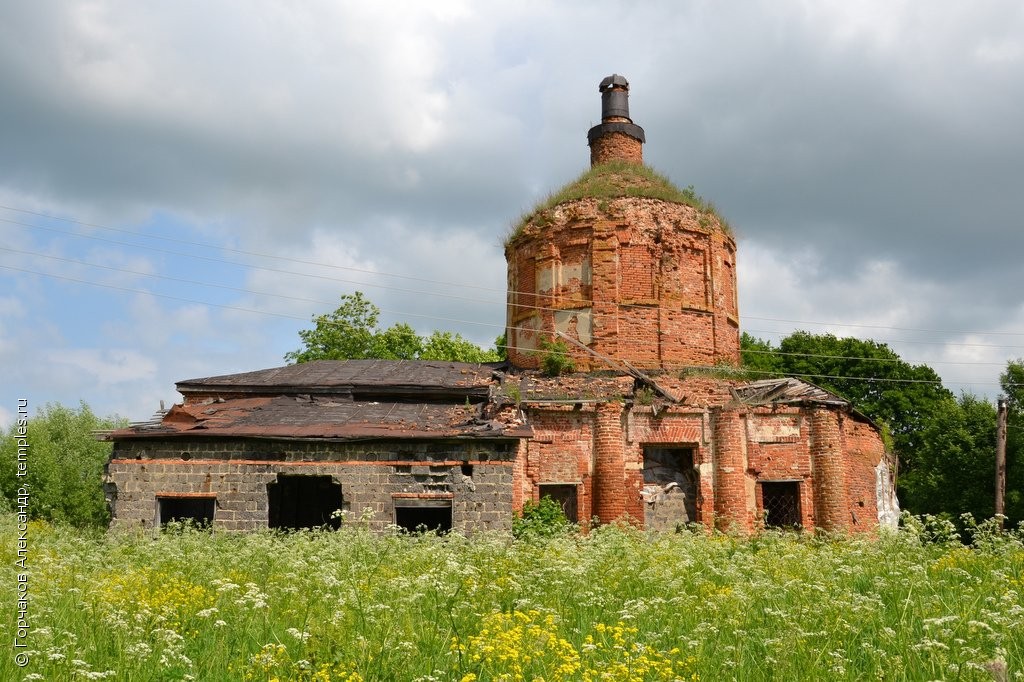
(196, 510)
(780, 502)
(565, 495)
(297, 501)
(423, 515)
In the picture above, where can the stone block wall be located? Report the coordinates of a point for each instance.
(476, 477)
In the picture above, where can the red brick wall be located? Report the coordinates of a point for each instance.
(862, 451)
(731, 495)
(662, 290)
(831, 504)
(832, 456)
(560, 451)
(616, 146)
(609, 463)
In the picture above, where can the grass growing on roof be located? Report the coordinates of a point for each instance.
(615, 180)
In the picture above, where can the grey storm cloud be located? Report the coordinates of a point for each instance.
(863, 133)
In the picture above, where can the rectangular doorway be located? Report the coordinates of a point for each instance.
(297, 501)
(565, 495)
(670, 486)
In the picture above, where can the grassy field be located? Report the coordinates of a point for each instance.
(617, 604)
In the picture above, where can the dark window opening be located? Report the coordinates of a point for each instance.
(670, 484)
(467, 470)
(297, 501)
(564, 495)
(663, 465)
(781, 504)
(198, 511)
(424, 516)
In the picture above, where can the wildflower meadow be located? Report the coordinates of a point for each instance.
(613, 604)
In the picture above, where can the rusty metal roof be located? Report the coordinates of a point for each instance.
(423, 378)
(323, 417)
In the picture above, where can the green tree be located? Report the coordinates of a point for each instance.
(65, 465)
(398, 342)
(872, 376)
(955, 464)
(346, 334)
(1012, 382)
(352, 332)
(931, 432)
(448, 346)
(758, 356)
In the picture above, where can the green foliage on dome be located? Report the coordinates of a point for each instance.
(615, 180)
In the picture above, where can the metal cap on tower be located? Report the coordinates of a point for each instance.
(614, 98)
(616, 138)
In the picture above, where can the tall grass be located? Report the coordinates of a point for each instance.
(616, 604)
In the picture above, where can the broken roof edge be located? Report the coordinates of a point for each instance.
(777, 394)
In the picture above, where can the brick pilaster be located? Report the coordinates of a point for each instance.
(830, 498)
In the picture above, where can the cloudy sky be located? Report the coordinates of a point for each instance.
(183, 185)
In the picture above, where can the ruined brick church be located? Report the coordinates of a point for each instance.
(622, 273)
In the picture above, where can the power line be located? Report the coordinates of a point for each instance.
(539, 351)
(212, 259)
(877, 326)
(228, 307)
(296, 298)
(319, 301)
(243, 252)
(442, 295)
(426, 280)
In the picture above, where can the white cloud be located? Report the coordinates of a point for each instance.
(866, 153)
(106, 365)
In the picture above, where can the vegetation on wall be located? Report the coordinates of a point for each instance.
(554, 357)
(615, 180)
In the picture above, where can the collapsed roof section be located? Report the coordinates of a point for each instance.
(378, 399)
(326, 417)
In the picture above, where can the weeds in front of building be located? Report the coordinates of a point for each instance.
(614, 604)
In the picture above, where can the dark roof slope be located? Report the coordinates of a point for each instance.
(424, 378)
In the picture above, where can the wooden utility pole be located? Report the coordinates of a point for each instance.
(1000, 458)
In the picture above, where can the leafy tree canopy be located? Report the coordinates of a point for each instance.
(65, 462)
(352, 332)
(871, 375)
(1012, 381)
(946, 445)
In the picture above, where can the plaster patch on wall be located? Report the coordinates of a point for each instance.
(888, 505)
(773, 428)
(577, 324)
(570, 271)
(526, 336)
(545, 278)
